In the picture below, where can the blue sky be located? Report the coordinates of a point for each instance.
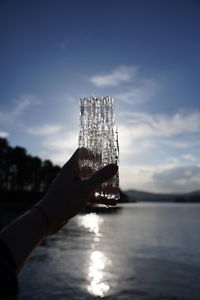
(144, 53)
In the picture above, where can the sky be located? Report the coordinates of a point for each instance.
(144, 53)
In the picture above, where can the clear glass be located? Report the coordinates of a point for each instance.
(99, 138)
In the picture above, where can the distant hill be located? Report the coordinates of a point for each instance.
(138, 196)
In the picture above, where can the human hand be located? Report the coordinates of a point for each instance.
(68, 193)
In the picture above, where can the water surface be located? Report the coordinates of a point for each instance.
(143, 251)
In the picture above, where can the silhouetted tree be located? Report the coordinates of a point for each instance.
(22, 172)
(5, 151)
(48, 173)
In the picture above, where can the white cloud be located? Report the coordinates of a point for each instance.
(136, 177)
(139, 92)
(142, 138)
(189, 157)
(4, 134)
(134, 96)
(121, 74)
(47, 129)
(142, 133)
(60, 146)
(178, 179)
(172, 160)
(181, 144)
(143, 125)
(140, 177)
(20, 104)
(62, 141)
(163, 179)
(138, 89)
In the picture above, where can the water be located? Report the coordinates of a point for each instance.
(143, 251)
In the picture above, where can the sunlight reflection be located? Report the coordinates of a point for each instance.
(92, 222)
(97, 264)
(98, 261)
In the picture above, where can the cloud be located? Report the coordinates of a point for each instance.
(134, 96)
(135, 177)
(142, 144)
(172, 160)
(47, 129)
(60, 146)
(139, 92)
(178, 179)
(189, 157)
(163, 179)
(8, 117)
(120, 74)
(138, 89)
(181, 144)
(4, 134)
(22, 103)
(62, 141)
(143, 125)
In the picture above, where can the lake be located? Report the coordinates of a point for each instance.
(140, 251)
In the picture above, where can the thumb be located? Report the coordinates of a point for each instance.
(101, 176)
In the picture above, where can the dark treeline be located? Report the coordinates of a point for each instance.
(20, 171)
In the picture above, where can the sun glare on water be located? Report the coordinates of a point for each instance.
(98, 262)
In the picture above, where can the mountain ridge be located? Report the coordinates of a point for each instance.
(137, 196)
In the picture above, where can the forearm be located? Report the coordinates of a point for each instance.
(23, 235)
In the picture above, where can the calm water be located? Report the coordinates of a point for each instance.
(143, 251)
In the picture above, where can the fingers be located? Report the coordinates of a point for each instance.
(101, 176)
(85, 153)
(71, 166)
(74, 157)
(102, 200)
(97, 179)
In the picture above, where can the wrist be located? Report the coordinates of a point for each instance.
(52, 219)
(45, 219)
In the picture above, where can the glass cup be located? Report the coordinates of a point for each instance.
(98, 140)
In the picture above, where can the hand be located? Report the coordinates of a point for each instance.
(68, 193)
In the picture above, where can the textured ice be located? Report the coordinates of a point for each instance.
(98, 136)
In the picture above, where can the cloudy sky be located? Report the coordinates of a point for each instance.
(144, 53)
